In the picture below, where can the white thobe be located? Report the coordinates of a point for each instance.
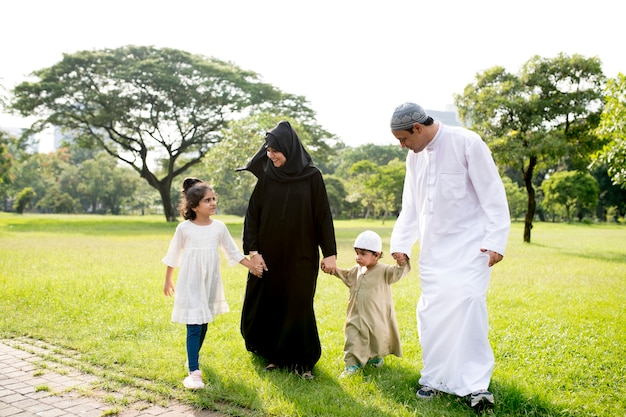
(453, 204)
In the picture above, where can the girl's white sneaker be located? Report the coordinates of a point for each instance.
(194, 380)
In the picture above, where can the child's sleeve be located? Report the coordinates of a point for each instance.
(175, 250)
(393, 273)
(346, 275)
(233, 254)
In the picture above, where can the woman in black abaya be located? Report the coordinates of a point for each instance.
(287, 222)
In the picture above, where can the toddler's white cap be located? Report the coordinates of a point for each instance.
(370, 241)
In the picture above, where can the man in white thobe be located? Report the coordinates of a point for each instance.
(454, 205)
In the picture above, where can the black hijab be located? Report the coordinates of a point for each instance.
(284, 139)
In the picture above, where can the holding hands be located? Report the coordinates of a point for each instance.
(257, 264)
(400, 258)
(329, 264)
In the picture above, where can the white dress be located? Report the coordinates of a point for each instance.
(453, 204)
(199, 294)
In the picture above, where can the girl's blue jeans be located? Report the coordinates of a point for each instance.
(195, 338)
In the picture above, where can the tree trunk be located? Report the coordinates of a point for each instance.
(166, 198)
(532, 203)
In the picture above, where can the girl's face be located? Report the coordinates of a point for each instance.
(276, 157)
(207, 206)
(365, 258)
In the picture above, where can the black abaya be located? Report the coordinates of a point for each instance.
(288, 221)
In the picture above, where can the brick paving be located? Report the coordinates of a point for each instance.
(31, 386)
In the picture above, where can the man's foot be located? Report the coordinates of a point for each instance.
(376, 362)
(194, 380)
(481, 400)
(350, 370)
(426, 393)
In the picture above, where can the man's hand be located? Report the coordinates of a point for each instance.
(494, 257)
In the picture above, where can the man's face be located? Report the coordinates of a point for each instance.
(415, 141)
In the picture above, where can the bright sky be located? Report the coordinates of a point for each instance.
(355, 61)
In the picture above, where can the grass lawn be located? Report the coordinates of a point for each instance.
(93, 284)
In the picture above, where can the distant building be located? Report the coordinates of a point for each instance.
(61, 136)
(448, 117)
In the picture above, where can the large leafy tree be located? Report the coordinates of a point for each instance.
(613, 128)
(543, 115)
(157, 110)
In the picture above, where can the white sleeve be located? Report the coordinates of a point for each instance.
(492, 196)
(233, 254)
(406, 231)
(175, 250)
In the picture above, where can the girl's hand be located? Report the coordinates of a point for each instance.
(258, 264)
(257, 271)
(168, 288)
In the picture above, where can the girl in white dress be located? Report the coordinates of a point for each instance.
(199, 292)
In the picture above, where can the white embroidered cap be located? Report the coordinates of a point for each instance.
(370, 241)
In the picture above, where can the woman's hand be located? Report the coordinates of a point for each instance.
(329, 264)
(258, 265)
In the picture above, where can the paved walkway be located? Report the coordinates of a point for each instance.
(32, 384)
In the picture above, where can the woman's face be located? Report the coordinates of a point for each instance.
(277, 157)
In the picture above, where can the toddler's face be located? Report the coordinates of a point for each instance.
(365, 257)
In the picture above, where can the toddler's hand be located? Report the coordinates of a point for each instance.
(400, 258)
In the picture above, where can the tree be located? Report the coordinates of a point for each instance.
(336, 190)
(41, 172)
(378, 187)
(388, 183)
(611, 198)
(24, 200)
(543, 115)
(58, 201)
(570, 190)
(515, 197)
(144, 105)
(380, 155)
(361, 177)
(6, 159)
(613, 128)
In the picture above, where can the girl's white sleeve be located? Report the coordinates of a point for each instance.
(173, 255)
(233, 254)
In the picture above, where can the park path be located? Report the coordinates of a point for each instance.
(37, 380)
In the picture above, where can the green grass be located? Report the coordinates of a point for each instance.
(92, 285)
